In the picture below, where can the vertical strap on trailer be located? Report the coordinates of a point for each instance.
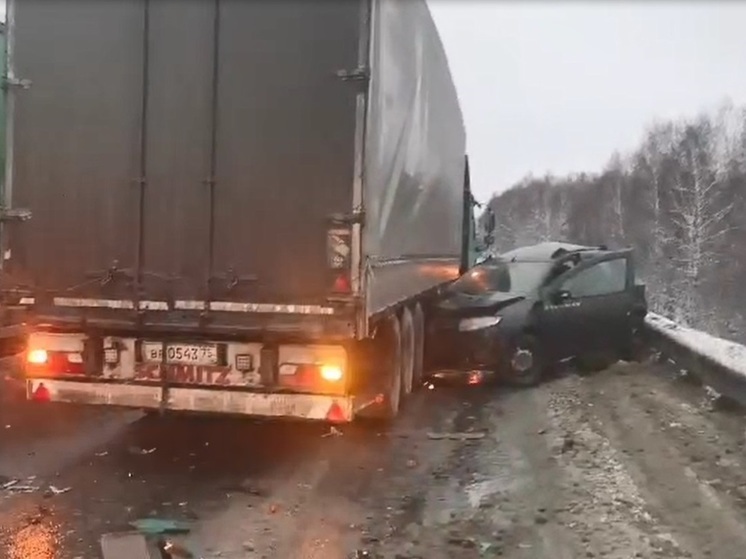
(210, 181)
(141, 180)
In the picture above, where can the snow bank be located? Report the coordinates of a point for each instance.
(722, 352)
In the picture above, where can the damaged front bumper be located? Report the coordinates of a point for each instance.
(485, 351)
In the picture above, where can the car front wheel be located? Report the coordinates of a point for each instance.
(526, 364)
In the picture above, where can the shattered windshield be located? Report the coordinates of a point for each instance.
(503, 277)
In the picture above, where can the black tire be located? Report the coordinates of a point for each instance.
(388, 344)
(526, 350)
(407, 353)
(418, 373)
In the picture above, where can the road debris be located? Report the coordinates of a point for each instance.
(460, 541)
(568, 443)
(127, 545)
(143, 451)
(174, 550)
(158, 526)
(7, 484)
(51, 491)
(13, 486)
(333, 432)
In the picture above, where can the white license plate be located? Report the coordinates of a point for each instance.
(192, 354)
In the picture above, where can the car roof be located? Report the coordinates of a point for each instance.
(547, 251)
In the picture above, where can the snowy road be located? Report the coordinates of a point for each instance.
(626, 463)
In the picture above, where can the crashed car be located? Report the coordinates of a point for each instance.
(523, 311)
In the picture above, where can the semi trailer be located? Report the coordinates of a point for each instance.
(230, 206)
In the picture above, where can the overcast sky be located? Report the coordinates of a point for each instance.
(558, 86)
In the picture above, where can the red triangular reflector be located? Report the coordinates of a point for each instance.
(41, 394)
(336, 414)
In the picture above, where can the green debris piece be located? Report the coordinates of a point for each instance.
(489, 549)
(156, 526)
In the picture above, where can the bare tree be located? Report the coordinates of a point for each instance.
(699, 213)
(657, 167)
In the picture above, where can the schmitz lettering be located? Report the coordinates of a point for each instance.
(183, 374)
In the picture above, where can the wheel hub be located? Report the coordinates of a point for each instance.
(523, 360)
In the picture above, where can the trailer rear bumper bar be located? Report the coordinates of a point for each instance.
(339, 409)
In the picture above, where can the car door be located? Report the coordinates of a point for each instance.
(586, 310)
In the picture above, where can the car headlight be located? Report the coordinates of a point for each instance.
(471, 324)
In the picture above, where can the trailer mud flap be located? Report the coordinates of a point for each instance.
(301, 406)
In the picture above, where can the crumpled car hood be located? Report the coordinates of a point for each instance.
(493, 301)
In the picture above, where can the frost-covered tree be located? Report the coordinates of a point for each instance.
(699, 214)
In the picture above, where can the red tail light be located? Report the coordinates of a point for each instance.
(336, 414)
(326, 379)
(342, 284)
(42, 362)
(338, 258)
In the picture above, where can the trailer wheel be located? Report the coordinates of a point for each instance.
(388, 353)
(418, 372)
(407, 351)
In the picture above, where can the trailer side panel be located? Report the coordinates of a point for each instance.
(75, 140)
(414, 173)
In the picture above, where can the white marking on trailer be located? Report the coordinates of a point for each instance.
(227, 306)
(27, 301)
(189, 305)
(153, 305)
(94, 303)
(220, 306)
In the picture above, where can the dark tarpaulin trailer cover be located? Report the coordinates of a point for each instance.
(196, 150)
(414, 165)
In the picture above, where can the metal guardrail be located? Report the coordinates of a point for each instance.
(717, 363)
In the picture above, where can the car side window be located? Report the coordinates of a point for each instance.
(604, 278)
(559, 270)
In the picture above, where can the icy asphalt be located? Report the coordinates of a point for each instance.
(629, 462)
